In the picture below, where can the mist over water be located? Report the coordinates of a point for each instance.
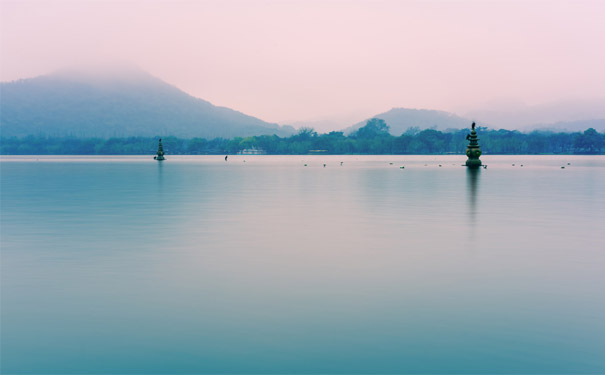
(264, 265)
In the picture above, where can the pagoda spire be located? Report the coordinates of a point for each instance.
(473, 151)
(160, 155)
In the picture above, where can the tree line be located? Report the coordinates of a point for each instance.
(373, 138)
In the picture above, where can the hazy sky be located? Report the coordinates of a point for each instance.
(288, 61)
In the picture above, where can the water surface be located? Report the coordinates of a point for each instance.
(264, 265)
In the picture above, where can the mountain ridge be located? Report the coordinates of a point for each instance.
(134, 103)
(126, 101)
(400, 119)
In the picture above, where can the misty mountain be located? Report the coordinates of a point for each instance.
(517, 115)
(570, 126)
(400, 119)
(117, 103)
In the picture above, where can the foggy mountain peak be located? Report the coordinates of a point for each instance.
(117, 101)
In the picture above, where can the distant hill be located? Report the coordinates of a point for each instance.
(517, 115)
(400, 119)
(118, 103)
(570, 126)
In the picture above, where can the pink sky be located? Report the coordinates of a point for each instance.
(286, 61)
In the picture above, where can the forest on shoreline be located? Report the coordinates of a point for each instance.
(373, 138)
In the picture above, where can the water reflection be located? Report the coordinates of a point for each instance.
(472, 188)
(160, 179)
(195, 265)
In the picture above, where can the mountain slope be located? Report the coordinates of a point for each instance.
(127, 102)
(522, 116)
(570, 126)
(400, 119)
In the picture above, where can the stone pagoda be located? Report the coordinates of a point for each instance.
(473, 151)
(160, 155)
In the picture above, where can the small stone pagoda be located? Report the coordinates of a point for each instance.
(160, 155)
(473, 151)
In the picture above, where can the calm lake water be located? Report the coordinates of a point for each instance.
(264, 265)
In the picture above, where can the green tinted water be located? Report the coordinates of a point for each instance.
(197, 265)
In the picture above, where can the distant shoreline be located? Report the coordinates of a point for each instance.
(308, 142)
(222, 154)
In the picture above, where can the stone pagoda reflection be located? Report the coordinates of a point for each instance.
(473, 151)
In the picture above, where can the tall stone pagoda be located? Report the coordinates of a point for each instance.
(160, 155)
(473, 151)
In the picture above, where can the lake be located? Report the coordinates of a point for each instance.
(264, 265)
